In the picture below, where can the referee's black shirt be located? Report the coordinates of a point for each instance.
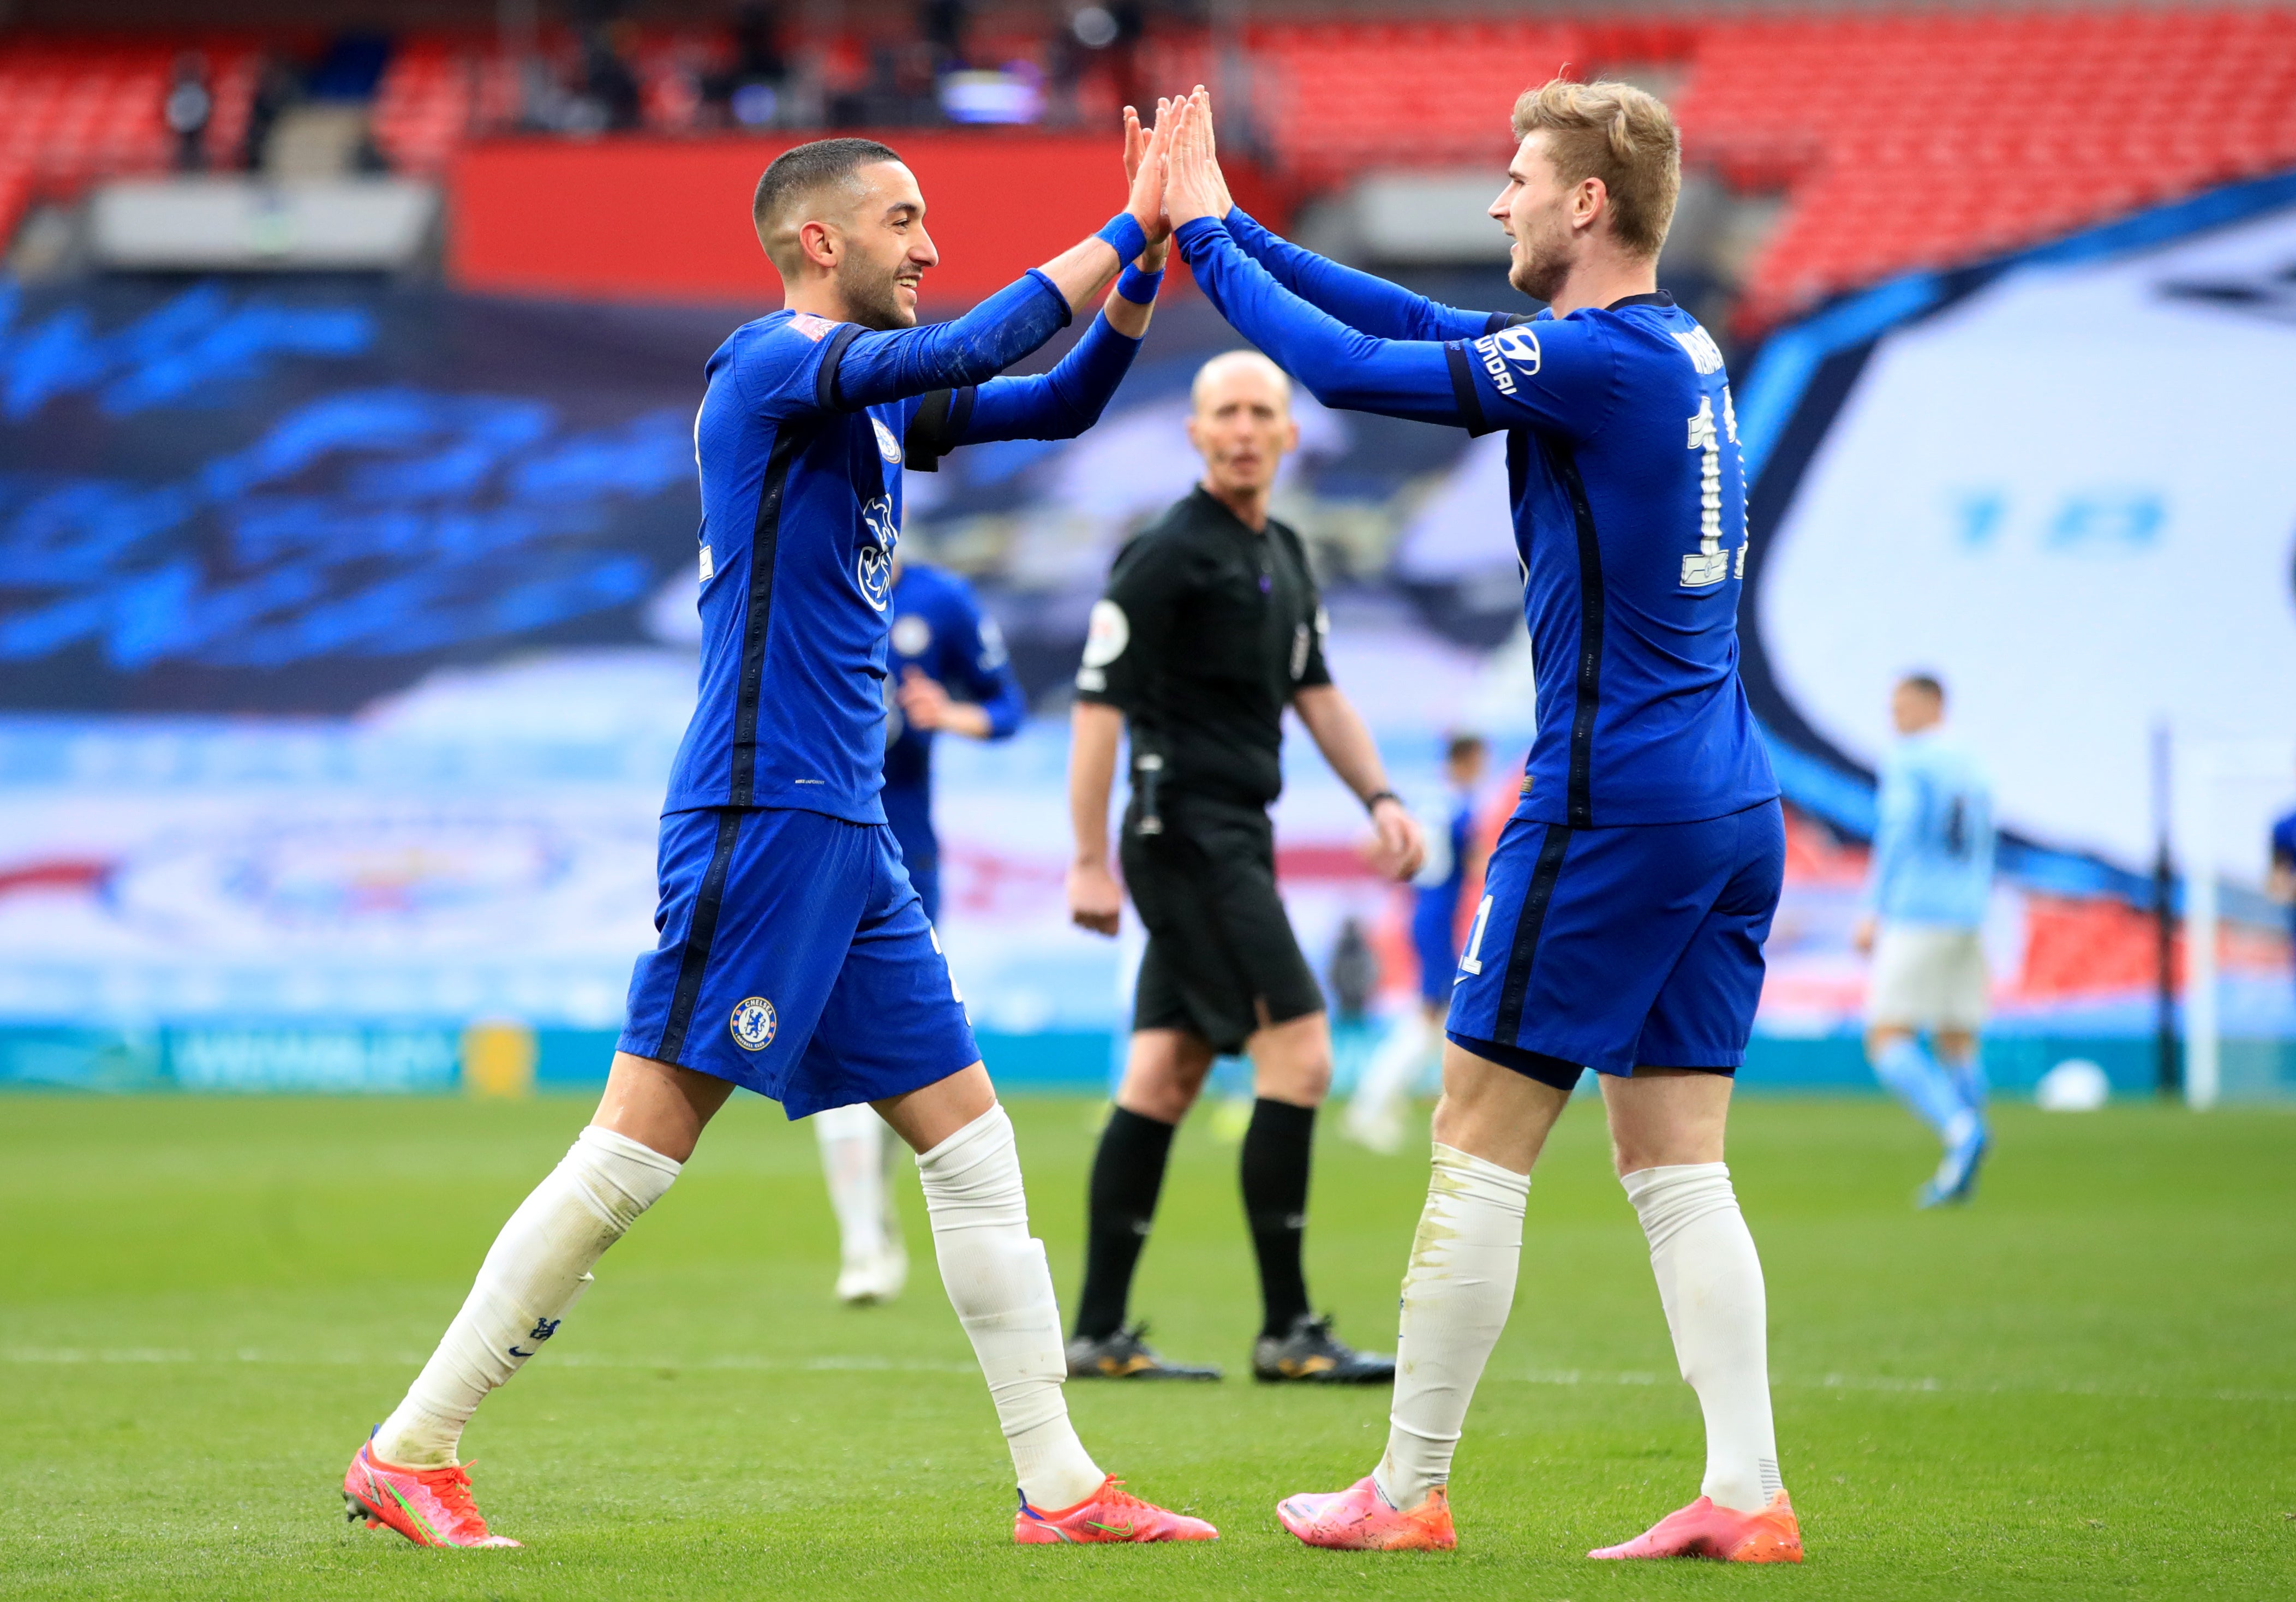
(1206, 631)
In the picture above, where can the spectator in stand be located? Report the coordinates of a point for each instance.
(748, 91)
(189, 108)
(944, 25)
(2282, 885)
(609, 85)
(277, 86)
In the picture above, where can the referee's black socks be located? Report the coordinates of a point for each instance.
(1128, 1171)
(1276, 1148)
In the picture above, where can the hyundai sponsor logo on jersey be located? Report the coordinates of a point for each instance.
(1508, 351)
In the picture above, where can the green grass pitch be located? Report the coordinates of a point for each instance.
(2084, 1386)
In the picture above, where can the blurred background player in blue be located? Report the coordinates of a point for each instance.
(1374, 1115)
(941, 641)
(2282, 885)
(1923, 922)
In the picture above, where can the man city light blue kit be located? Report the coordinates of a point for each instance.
(1628, 899)
(1932, 861)
(939, 629)
(795, 957)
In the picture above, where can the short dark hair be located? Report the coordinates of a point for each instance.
(796, 173)
(1928, 684)
(1464, 743)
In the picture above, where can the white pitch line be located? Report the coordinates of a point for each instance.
(743, 1362)
(1923, 1386)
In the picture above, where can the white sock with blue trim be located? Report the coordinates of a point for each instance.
(538, 1268)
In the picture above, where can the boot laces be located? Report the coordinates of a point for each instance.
(452, 1487)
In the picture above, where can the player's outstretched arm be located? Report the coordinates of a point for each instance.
(870, 368)
(1557, 377)
(1065, 402)
(1363, 301)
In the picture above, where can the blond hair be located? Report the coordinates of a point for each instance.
(1619, 134)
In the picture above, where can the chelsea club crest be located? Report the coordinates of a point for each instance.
(753, 1023)
(872, 564)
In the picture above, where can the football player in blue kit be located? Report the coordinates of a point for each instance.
(795, 959)
(1374, 1116)
(1627, 900)
(940, 638)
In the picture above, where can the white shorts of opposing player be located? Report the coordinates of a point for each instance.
(1928, 976)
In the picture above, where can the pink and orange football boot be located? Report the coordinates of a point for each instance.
(430, 1507)
(1111, 1513)
(1701, 1529)
(1360, 1519)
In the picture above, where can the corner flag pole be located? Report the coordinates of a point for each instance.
(2167, 1080)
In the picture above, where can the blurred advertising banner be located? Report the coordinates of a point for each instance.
(669, 219)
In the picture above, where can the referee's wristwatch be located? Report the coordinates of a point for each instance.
(1371, 802)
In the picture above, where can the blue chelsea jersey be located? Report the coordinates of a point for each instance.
(1628, 503)
(800, 510)
(801, 441)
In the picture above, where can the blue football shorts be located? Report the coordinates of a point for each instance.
(796, 961)
(1618, 948)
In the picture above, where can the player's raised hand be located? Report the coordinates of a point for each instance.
(1146, 203)
(1096, 900)
(1192, 191)
(1136, 153)
(1202, 99)
(1398, 847)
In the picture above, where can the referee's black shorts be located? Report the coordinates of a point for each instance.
(1222, 961)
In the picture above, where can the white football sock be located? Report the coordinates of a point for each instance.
(1394, 1068)
(1002, 1289)
(538, 1268)
(1456, 1294)
(853, 1153)
(1709, 1281)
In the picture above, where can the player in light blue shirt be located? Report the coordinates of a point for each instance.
(1924, 917)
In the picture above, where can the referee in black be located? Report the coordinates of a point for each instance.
(1210, 628)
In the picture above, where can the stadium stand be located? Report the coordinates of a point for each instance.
(73, 110)
(436, 93)
(1920, 141)
(1898, 141)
